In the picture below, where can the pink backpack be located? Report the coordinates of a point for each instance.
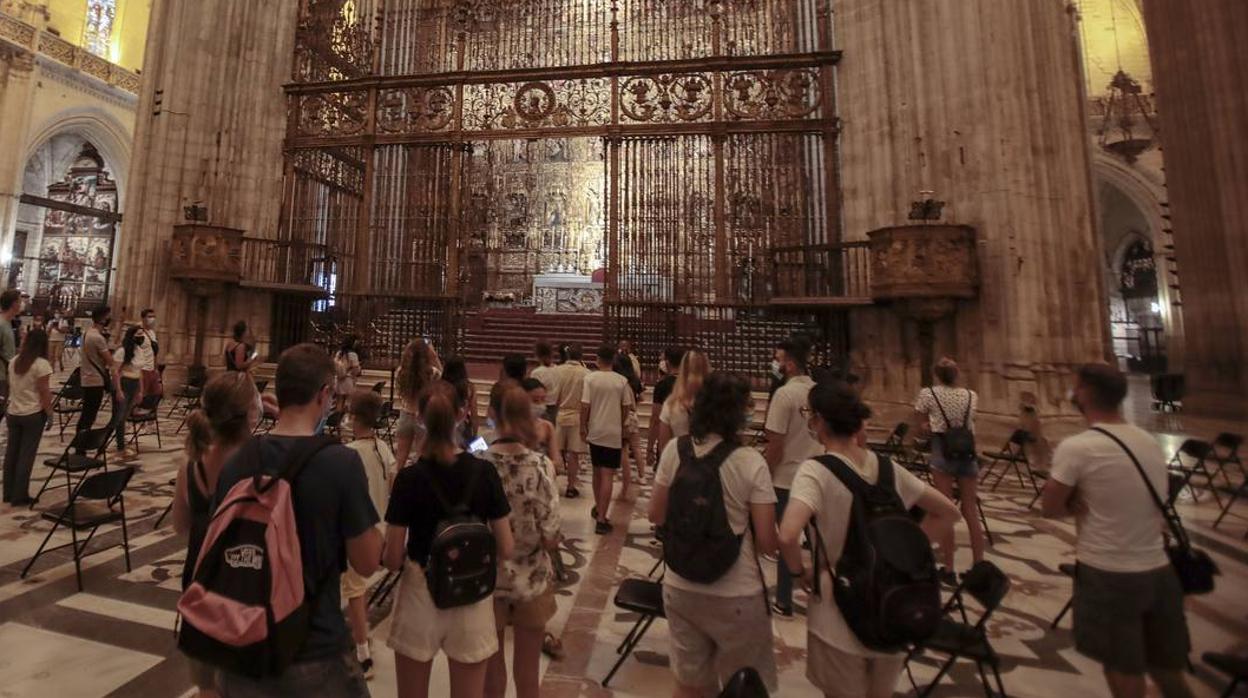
(247, 610)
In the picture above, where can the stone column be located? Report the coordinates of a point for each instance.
(209, 129)
(980, 101)
(16, 87)
(1200, 69)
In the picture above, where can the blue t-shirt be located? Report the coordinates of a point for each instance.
(331, 506)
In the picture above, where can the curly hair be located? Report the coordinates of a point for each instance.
(720, 407)
(415, 370)
(840, 407)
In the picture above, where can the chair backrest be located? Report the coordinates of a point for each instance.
(988, 585)
(106, 486)
(91, 440)
(1230, 442)
(149, 403)
(1195, 448)
(74, 380)
(899, 433)
(261, 385)
(379, 386)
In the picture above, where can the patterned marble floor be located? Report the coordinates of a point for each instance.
(116, 639)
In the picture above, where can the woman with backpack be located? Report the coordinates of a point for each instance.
(229, 410)
(714, 594)
(674, 416)
(838, 661)
(525, 596)
(948, 414)
(434, 612)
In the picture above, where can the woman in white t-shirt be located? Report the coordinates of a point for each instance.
(674, 418)
(30, 408)
(720, 627)
(836, 662)
(346, 368)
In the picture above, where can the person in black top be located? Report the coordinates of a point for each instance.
(337, 526)
(229, 410)
(420, 629)
(669, 366)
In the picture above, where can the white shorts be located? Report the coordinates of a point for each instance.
(420, 629)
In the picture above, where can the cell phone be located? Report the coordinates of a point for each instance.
(478, 445)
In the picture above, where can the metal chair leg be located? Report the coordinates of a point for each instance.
(636, 639)
(1062, 614)
(939, 675)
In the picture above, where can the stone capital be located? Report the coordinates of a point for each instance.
(17, 58)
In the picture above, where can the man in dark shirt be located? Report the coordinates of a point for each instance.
(669, 367)
(336, 522)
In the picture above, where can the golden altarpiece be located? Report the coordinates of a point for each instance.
(448, 152)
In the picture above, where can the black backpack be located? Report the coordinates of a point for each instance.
(885, 583)
(958, 443)
(698, 543)
(462, 567)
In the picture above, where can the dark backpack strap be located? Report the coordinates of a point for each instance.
(1167, 513)
(948, 424)
(857, 529)
(464, 505)
(300, 455)
(684, 448)
(966, 418)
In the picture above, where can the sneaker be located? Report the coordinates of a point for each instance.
(602, 528)
(366, 665)
(782, 610)
(571, 493)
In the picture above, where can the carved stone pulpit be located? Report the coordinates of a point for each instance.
(924, 270)
(205, 259)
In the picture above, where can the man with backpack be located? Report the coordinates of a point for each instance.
(859, 505)
(305, 649)
(788, 440)
(1128, 603)
(715, 503)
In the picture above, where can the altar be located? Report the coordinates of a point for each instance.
(567, 293)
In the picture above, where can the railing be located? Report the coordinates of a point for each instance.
(814, 272)
(35, 40)
(284, 263)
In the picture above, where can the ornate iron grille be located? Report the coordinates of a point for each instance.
(410, 147)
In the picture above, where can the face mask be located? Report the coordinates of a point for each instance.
(663, 366)
(776, 370)
(539, 411)
(151, 322)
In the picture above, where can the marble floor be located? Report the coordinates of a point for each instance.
(115, 638)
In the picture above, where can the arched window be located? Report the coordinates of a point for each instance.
(97, 32)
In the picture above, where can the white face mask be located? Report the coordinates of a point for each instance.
(777, 370)
(662, 365)
(150, 322)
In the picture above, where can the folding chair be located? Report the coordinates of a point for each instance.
(1232, 495)
(644, 597)
(892, 446)
(988, 585)
(1231, 665)
(1199, 452)
(96, 501)
(1226, 452)
(68, 401)
(333, 424)
(144, 414)
(261, 385)
(173, 482)
(1014, 455)
(75, 459)
(379, 386)
(1068, 569)
(265, 425)
(186, 399)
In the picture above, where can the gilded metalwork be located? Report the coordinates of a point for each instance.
(548, 104)
(415, 110)
(666, 98)
(332, 114)
(772, 94)
(335, 41)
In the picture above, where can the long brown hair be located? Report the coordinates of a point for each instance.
(415, 370)
(515, 414)
(439, 410)
(35, 346)
(223, 415)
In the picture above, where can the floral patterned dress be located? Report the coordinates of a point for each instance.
(534, 503)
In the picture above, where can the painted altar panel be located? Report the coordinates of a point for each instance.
(76, 251)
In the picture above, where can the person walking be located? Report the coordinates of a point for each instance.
(419, 501)
(229, 410)
(606, 400)
(546, 373)
(1128, 603)
(127, 386)
(837, 663)
(631, 451)
(789, 440)
(58, 328)
(543, 429)
(525, 595)
(97, 368)
(414, 375)
(29, 411)
(674, 415)
(569, 385)
(943, 408)
(669, 367)
(347, 369)
(720, 623)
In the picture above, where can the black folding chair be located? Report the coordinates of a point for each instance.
(173, 482)
(146, 414)
(1234, 667)
(261, 385)
(85, 452)
(892, 446)
(1014, 455)
(68, 401)
(379, 386)
(1225, 453)
(957, 637)
(265, 425)
(1068, 569)
(1199, 452)
(645, 598)
(186, 399)
(96, 501)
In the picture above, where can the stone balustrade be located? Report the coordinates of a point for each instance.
(31, 38)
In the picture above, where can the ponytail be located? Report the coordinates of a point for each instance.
(439, 411)
(515, 415)
(198, 435)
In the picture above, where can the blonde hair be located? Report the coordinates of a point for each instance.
(515, 414)
(694, 369)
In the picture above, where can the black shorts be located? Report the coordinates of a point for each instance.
(1131, 622)
(603, 457)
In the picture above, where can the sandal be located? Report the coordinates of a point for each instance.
(572, 493)
(552, 647)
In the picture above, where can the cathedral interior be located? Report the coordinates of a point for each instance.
(1027, 186)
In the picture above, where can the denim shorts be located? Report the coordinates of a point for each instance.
(952, 468)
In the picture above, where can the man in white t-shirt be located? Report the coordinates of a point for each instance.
(1128, 604)
(788, 440)
(606, 400)
(569, 379)
(146, 355)
(545, 372)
